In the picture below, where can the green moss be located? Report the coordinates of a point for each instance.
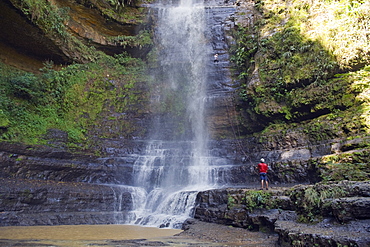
(347, 166)
(230, 202)
(297, 65)
(83, 100)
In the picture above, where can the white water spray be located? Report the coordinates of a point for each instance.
(175, 165)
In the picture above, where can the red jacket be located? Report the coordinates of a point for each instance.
(263, 167)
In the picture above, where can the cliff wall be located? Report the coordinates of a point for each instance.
(295, 99)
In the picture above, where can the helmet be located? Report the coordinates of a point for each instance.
(262, 160)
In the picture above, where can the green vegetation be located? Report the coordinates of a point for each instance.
(76, 99)
(314, 201)
(47, 16)
(51, 19)
(141, 40)
(297, 50)
(353, 166)
(97, 97)
(230, 201)
(257, 199)
(120, 3)
(252, 199)
(304, 69)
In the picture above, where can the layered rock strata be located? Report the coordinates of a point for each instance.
(37, 202)
(332, 221)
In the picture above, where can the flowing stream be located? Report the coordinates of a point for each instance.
(175, 165)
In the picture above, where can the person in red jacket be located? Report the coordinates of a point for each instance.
(263, 173)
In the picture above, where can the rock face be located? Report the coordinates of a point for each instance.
(63, 173)
(226, 207)
(46, 186)
(51, 186)
(43, 163)
(342, 221)
(37, 202)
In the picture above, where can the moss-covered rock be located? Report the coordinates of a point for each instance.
(74, 31)
(288, 210)
(289, 64)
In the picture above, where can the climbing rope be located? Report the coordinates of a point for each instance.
(235, 133)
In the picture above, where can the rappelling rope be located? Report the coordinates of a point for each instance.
(236, 135)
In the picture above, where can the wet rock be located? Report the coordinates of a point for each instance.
(296, 154)
(351, 208)
(228, 207)
(356, 143)
(36, 202)
(358, 188)
(284, 202)
(46, 163)
(344, 209)
(265, 219)
(56, 137)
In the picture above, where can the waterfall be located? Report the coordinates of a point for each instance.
(175, 164)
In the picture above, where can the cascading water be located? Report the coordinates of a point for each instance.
(176, 161)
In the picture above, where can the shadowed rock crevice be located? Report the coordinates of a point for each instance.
(23, 44)
(26, 45)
